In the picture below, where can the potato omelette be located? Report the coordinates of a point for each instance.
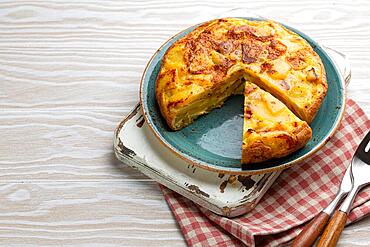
(231, 56)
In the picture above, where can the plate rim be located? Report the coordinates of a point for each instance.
(210, 167)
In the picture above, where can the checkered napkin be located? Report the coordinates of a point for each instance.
(297, 196)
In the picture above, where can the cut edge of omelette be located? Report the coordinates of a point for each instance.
(270, 129)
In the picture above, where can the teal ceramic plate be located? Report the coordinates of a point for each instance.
(214, 140)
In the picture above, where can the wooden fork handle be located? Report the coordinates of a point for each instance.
(332, 232)
(311, 231)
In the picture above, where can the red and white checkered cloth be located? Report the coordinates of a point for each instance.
(297, 196)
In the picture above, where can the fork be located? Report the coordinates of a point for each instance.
(361, 177)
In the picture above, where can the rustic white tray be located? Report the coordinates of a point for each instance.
(228, 195)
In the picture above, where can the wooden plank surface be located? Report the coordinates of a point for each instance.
(69, 72)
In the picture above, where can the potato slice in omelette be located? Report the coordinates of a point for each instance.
(270, 129)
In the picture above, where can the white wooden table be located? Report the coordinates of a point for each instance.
(69, 72)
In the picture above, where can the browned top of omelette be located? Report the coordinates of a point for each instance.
(198, 68)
